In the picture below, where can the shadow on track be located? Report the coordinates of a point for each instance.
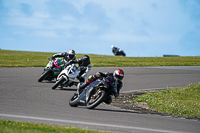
(122, 111)
(112, 110)
(65, 89)
(47, 82)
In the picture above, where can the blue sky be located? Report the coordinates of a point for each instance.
(144, 28)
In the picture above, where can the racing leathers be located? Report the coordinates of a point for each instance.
(85, 67)
(65, 55)
(116, 87)
(114, 50)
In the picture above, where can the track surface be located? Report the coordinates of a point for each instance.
(22, 98)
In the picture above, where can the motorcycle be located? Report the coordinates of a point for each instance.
(97, 92)
(67, 76)
(118, 52)
(52, 69)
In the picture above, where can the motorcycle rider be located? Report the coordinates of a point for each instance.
(66, 56)
(117, 51)
(118, 75)
(84, 65)
(114, 49)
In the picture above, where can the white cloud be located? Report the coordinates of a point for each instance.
(148, 23)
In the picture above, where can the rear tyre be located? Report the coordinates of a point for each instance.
(72, 101)
(124, 54)
(44, 75)
(58, 82)
(95, 101)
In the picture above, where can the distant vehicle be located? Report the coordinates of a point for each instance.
(117, 51)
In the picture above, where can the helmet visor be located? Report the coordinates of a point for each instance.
(71, 56)
(119, 77)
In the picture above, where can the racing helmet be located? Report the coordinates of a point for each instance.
(71, 54)
(86, 59)
(119, 74)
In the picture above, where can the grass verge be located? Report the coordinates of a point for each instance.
(183, 101)
(7, 126)
(40, 59)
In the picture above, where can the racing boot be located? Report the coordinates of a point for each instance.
(81, 87)
(108, 100)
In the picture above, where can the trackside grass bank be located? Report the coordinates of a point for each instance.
(23, 127)
(40, 59)
(183, 101)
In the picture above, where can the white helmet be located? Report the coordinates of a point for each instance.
(112, 46)
(71, 54)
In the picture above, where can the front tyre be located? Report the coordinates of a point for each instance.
(45, 75)
(72, 101)
(96, 99)
(61, 80)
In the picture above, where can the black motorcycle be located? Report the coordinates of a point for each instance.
(96, 93)
(118, 52)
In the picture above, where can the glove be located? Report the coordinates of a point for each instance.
(81, 67)
(51, 58)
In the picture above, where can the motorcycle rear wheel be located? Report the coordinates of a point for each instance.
(94, 102)
(44, 75)
(58, 82)
(72, 101)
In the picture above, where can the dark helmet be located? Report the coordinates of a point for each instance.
(86, 59)
(71, 54)
(119, 74)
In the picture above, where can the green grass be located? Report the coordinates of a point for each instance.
(40, 59)
(183, 101)
(7, 126)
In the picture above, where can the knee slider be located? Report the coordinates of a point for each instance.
(91, 79)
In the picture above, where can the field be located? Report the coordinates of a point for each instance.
(40, 59)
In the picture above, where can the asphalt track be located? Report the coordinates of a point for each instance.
(22, 98)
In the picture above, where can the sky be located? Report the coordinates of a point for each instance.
(141, 28)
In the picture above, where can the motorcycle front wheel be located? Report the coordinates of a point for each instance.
(44, 75)
(72, 101)
(61, 80)
(96, 99)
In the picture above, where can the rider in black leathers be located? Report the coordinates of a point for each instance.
(118, 76)
(117, 51)
(114, 49)
(66, 56)
(84, 65)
